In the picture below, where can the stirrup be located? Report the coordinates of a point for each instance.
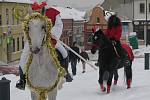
(21, 84)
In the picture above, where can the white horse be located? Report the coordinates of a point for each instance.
(43, 70)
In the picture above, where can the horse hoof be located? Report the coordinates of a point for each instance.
(115, 82)
(104, 89)
(128, 87)
(108, 92)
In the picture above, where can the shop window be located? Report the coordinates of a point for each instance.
(142, 8)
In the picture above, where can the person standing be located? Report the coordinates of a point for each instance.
(74, 58)
(86, 57)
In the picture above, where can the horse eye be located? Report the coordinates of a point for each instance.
(95, 37)
(43, 27)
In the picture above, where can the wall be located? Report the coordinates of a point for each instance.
(11, 47)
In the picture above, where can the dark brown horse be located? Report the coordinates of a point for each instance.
(108, 60)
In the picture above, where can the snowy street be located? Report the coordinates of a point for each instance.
(85, 86)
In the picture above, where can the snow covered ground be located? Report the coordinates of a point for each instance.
(85, 86)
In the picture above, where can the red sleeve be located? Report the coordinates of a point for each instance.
(118, 33)
(51, 13)
(114, 33)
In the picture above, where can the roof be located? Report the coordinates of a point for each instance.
(18, 1)
(70, 13)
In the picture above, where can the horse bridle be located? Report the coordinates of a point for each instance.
(37, 50)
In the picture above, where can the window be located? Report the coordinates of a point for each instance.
(22, 42)
(13, 18)
(7, 16)
(149, 7)
(98, 20)
(14, 45)
(0, 20)
(80, 29)
(17, 43)
(125, 29)
(17, 21)
(142, 8)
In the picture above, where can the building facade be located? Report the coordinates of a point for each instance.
(67, 36)
(135, 15)
(95, 19)
(141, 23)
(11, 34)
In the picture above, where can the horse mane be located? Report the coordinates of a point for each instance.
(105, 39)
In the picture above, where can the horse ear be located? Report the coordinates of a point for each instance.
(93, 30)
(43, 11)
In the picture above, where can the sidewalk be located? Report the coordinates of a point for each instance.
(139, 53)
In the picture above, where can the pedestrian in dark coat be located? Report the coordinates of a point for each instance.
(86, 57)
(74, 58)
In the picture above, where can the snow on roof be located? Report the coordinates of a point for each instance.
(18, 1)
(70, 13)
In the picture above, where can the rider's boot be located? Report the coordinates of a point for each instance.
(128, 83)
(65, 65)
(108, 88)
(22, 81)
(103, 89)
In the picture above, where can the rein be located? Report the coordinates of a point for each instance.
(42, 44)
(116, 51)
(45, 42)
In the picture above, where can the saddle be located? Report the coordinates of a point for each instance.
(121, 54)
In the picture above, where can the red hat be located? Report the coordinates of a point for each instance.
(36, 6)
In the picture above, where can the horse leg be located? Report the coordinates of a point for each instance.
(34, 96)
(115, 76)
(109, 82)
(128, 72)
(52, 95)
(101, 73)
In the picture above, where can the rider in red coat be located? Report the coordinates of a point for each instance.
(113, 32)
(114, 28)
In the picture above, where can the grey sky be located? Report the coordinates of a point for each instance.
(80, 4)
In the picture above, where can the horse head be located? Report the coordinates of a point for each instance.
(99, 40)
(36, 29)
